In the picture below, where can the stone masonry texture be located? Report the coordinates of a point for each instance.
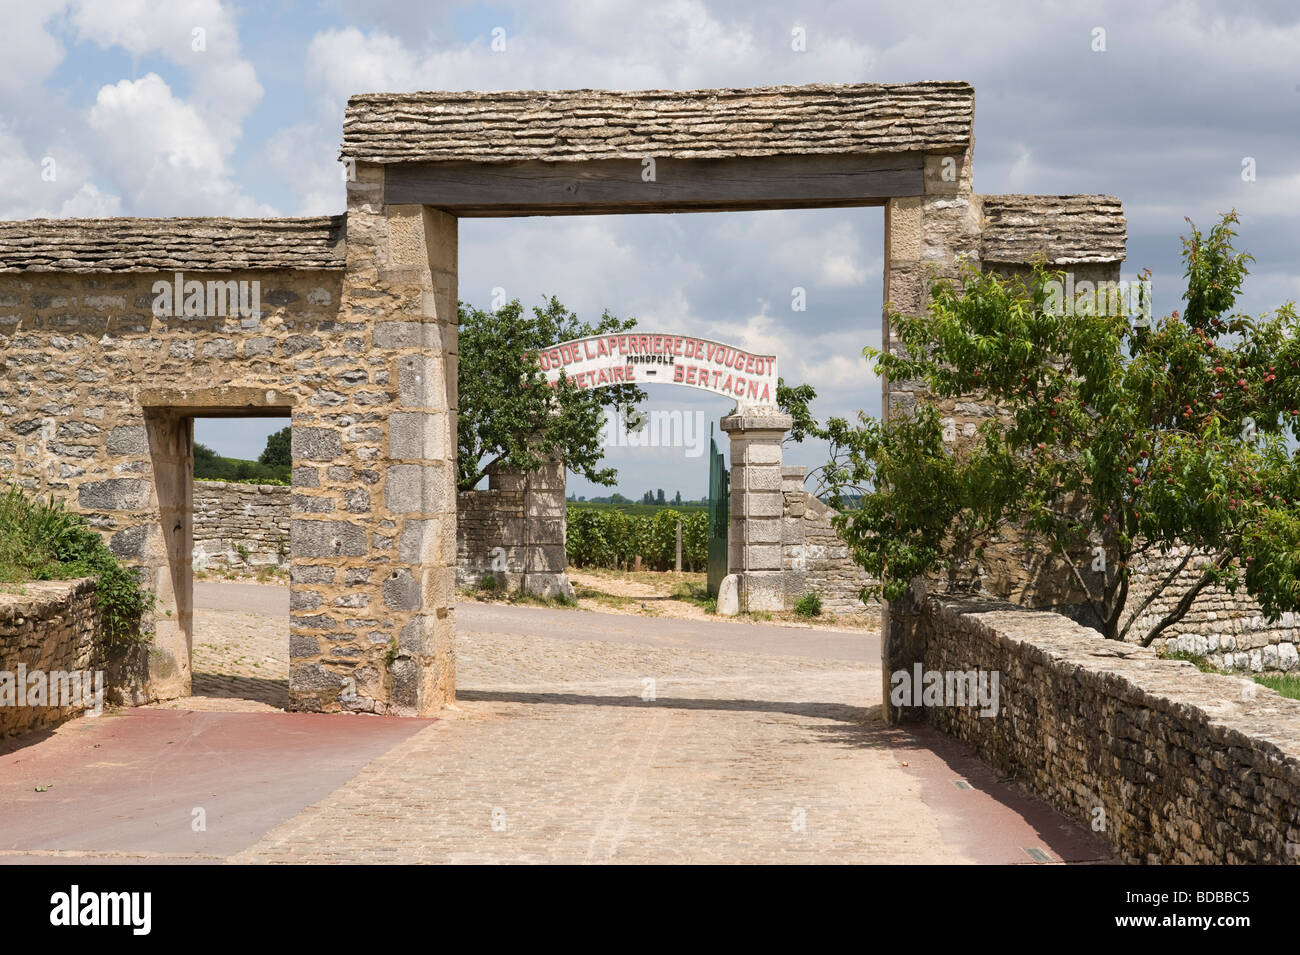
(574, 125)
(51, 626)
(242, 526)
(1179, 766)
(353, 337)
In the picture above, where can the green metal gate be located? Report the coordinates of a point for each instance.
(719, 509)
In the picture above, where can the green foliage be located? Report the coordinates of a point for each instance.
(1200, 661)
(42, 540)
(210, 466)
(809, 605)
(277, 453)
(1285, 684)
(611, 538)
(636, 507)
(508, 416)
(794, 401)
(1128, 436)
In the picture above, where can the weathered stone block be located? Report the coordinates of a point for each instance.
(315, 444)
(128, 439)
(327, 539)
(114, 494)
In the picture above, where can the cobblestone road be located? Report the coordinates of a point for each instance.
(580, 738)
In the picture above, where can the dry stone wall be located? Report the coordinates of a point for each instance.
(50, 627)
(814, 556)
(1229, 629)
(240, 526)
(1171, 765)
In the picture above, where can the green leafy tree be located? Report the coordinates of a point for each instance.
(277, 452)
(508, 415)
(794, 401)
(1120, 439)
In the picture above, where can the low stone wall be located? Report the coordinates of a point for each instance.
(240, 526)
(1171, 765)
(53, 626)
(1229, 629)
(814, 557)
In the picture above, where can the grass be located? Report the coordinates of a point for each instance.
(809, 605)
(696, 593)
(43, 540)
(494, 595)
(1288, 686)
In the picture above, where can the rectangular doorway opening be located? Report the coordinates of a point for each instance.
(240, 523)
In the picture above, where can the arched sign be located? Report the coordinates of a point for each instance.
(640, 358)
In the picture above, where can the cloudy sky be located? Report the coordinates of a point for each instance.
(1159, 103)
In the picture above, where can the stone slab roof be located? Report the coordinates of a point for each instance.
(572, 125)
(150, 245)
(1065, 229)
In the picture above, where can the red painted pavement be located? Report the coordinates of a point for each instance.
(128, 782)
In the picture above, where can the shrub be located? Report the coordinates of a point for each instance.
(42, 540)
(809, 605)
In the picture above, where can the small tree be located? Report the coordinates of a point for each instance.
(794, 401)
(277, 452)
(1118, 441)
(508, 415)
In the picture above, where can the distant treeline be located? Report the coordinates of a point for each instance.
(210, 466)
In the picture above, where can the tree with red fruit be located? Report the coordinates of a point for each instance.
(1128, 435)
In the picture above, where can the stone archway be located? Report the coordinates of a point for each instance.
(357, 338)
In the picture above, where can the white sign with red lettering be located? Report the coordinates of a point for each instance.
(646, 359)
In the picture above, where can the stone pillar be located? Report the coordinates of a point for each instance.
(794, 535)
(755, 528)
(544, 526)
(160, 670)
(374, 512)
(926, 237)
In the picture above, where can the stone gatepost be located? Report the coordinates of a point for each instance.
(754, 535)
(373, 581)
(926, 237)
(545, 517)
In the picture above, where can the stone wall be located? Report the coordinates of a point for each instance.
(240, 526)
(1180, 766)
(52, 625)
(814, 556)
(99, 392)
(1229, 629)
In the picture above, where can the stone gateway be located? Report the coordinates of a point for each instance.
(347, 325)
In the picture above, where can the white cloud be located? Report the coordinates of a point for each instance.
(200, 36)
(163, 154)
(29, 52)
